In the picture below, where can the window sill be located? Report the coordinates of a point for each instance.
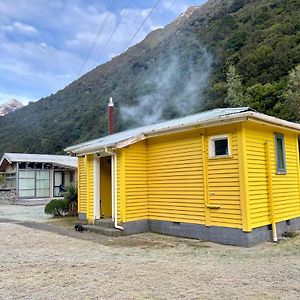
(221, 157)
(280, 173)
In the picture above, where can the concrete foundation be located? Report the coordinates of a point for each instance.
(82, 216)
(217, 234)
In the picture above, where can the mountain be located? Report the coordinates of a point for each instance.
(174, 71)
(10, 106)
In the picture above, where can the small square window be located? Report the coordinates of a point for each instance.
(280, 154)
(219, 146)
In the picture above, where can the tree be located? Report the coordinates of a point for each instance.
(292, 94)
(235, 94)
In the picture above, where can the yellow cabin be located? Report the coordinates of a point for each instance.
(228, 175)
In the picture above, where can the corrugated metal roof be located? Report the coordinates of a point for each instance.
(121, 139)
(60, 160)
(113, 139)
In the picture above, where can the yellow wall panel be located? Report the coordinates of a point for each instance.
(136, 203)
(82, 185)
(175, 178)
(90, 187)
(285, 187)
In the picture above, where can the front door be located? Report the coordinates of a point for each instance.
(105, 187)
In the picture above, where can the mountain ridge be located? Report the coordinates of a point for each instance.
(174, 71)
(10, 106)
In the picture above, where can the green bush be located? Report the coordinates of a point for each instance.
(57, 208)
(71, 196)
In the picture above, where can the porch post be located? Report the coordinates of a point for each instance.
(17, 181)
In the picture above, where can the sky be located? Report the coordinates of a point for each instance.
(47, 44)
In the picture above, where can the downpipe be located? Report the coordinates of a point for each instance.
(270, 188)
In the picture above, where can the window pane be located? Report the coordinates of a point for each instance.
(27, 174)
(11, 182)
(26, 193)
(43, 184)
(67, 178)
(221, 147)
(56, 192)
(280, 155)
(42, 175)
(43, 193)
(25, 183)
(57, 178)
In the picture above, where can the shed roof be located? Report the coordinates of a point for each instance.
(207, 118)
(59, 160)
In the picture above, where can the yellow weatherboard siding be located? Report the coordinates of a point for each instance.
(82, 185)
(90, 187)
(135, 176)
(285, 188)
(175, 178)
(223, 182)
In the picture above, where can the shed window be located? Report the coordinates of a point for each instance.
(280, 154)
(219, 146)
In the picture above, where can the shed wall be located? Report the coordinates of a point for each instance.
(165, 174)
(286, 188)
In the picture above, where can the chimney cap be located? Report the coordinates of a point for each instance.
(110, 102)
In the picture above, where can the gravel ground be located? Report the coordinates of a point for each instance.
(23, 213)
(38, 264)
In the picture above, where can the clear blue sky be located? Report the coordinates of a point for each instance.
(43, 44)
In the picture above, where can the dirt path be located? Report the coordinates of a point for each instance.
(38, 264)
(23, 213)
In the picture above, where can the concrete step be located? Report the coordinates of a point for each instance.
(104, 223)
(105, 231)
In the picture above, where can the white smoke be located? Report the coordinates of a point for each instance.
(176, 88)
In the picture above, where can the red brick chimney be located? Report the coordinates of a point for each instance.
(110, 116)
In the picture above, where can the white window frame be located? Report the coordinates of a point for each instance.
(211, 145)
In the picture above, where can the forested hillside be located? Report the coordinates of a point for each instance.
(224, 53)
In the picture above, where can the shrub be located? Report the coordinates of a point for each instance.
(57, 207)
(71, 196)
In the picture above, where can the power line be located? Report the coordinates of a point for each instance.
(145, 20)
(97, 36)
(115, 29)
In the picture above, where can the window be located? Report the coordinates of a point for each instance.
(42, 184)
(26, 184)
(10, 179)
(58, 181)
(34, 184)
(219, 146)
(280, 154)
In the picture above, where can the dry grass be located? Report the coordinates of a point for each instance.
(43, 265)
